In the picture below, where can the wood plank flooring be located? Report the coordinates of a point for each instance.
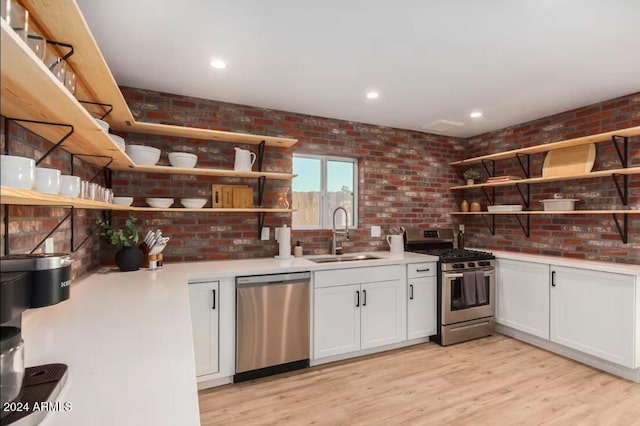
(491, 381)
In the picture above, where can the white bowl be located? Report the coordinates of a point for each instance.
(47, 180)
(559, 204)
(70, 186)
(123, 201)
(183, 159)
(193, 203)
(118, 141)
(160, 203)
(17, 172)
(103, 124)
(143, 155)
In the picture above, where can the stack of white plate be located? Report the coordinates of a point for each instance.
(505, 208)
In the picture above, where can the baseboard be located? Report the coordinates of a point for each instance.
(205, 382)
(601, 364)
(369, 351)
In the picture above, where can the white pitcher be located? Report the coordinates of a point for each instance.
(244, 160)
(396, 243)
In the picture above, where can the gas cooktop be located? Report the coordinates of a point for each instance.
(458, 255)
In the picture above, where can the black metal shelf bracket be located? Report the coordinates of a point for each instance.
(55, 228)
(491, 197)
(623, 154)
(526, 228)
(623, 229)
(109, 107)
(623, 191)
(526, 168)
(105, 169)
(55, 146)
(491, 172)
(261, 184)
(491, 226)
(525, 197)
(57, 43)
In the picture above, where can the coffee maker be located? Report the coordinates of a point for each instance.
(28, 281)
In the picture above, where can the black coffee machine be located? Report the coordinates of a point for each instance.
(28, 281)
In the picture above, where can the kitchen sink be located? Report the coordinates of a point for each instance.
(344, 258)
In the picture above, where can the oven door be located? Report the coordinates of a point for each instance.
(458, 306)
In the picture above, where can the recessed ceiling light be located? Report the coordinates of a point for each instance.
(218, 64)
(476, 114)
(373, 95)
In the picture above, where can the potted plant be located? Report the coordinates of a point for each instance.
(471, 175)
(129, 257)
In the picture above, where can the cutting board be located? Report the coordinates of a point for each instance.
(242, 197)
(575, 160)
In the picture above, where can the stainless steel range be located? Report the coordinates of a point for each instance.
(466, 285)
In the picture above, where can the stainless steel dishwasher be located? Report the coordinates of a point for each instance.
(272, 324)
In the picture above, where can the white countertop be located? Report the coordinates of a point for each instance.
(127, 340)
(618, 268)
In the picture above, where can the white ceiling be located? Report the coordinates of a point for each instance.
(516, 60)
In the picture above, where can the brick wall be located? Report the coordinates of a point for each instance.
(403, 175)
(593, 237)
(28, 225)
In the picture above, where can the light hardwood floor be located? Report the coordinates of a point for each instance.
(491, 381)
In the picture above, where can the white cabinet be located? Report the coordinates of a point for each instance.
(421, 300)
(205, 308)
(336, 320)
(523, 296)
(594, 312)
(382, 314)
(358, 308)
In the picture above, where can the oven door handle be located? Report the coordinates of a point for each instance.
(486, 274)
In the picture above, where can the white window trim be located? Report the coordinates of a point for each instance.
(323, 189)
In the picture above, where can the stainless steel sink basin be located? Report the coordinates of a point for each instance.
(343, 258)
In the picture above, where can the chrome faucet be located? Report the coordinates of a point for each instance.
(334, 231)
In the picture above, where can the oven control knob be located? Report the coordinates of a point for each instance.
(458, 265)
(471, 265)
(483, 263)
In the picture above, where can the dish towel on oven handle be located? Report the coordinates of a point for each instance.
(481, 289)
(469, 288)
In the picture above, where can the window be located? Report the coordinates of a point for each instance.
(324, 184)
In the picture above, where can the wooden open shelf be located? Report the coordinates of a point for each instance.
(540, 212)
(32, 198)
(30, 91)
(206, 134)
(63, 21)
(212, 210)
(600, 137)
(206, 172)
(590, 175)
(26, 197)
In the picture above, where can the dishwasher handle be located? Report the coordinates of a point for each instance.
(272, 279)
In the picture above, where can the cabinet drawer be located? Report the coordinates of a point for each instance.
(347, 276)
(425, 269)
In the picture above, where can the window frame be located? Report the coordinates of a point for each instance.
(324, 159)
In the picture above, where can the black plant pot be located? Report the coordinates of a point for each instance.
(129, 258)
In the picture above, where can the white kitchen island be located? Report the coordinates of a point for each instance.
(127, 339)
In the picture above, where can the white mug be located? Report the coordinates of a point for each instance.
(396, 243)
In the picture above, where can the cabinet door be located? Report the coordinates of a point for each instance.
(204, 299)
(383, 313)
(421, 307)
(593, 312)
(336, 320)
(523, 296)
